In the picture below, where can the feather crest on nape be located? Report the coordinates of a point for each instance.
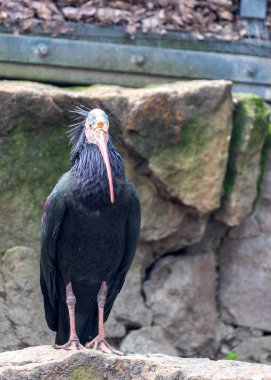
(76, 132)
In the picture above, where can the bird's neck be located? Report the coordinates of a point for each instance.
(90, 173)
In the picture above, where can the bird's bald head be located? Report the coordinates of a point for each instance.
(96, 123)
(96, 131)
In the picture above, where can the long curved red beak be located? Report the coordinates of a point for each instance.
(102, 145)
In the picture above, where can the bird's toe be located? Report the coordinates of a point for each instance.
(72, 344)
(102, 345)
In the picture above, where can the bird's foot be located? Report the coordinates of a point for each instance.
(102, 345)
(72, 344)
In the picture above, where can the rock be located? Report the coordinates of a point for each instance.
(148, 340)
(166, 225)
(34, 153)
(250, 126)
(245, 266)
(180, 291)
(175, 167)
(129, 310)
(246, 276)
(230, 337)
(255, 349)
(175, 129)
(22, 317)
(44, 363)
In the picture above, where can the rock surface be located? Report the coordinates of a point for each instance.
(22, 316)
(178, 300)
(255, 349)
(150, 339)
(130, 310)
(45, 363)
(244, 166)
(188, 150)
(245, 266)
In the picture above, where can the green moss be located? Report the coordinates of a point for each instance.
(83, 374)
(36, 160)
(195, 137)
(187, 158)
(264, 155)
(239, 120)
(155, 85)
(83, 88)
(232, 356)
(250, 124)
(32, 161)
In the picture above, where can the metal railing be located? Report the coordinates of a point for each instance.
(93, 54)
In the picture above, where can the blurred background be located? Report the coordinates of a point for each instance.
(188, 84)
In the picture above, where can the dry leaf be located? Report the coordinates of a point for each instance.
(215, 18)
(226, 15)
(30, 24)
(71, 13)
(131, 29)
(44, 10)
(109, 15)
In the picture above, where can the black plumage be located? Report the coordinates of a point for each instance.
(86, 239)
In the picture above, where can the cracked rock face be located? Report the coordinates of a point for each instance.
(178, 300)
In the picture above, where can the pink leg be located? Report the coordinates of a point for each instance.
(73, 340)
(99, 343)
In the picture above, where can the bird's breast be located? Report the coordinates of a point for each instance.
(91, 243)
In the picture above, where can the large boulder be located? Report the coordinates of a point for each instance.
(45, 363)
(176, 129)
(250, 121)
(245, 266)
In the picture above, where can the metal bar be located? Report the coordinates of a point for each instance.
(263, 91)
(75, 76)
(87, 77)
(172, 40)
(253, 9)
(134, 59)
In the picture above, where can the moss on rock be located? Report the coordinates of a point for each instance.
(84, 374)
(193, 169)
(33, 159)
(247, 156)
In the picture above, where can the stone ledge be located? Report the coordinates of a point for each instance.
(44, 363)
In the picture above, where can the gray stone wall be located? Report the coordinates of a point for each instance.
(199, 285)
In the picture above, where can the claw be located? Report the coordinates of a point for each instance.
(70, 345)
(102, 345)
